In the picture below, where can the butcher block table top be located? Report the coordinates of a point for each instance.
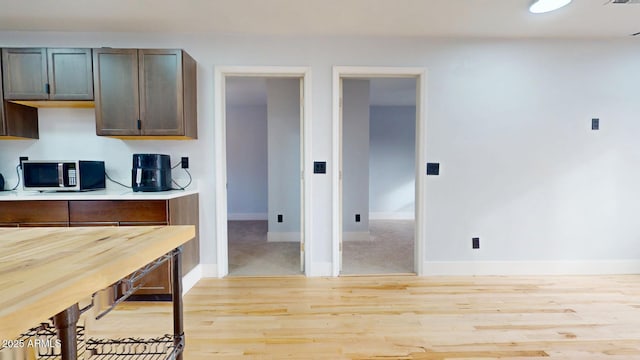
(44, 271)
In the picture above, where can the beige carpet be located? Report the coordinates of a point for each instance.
(251, 255)
(389, 252)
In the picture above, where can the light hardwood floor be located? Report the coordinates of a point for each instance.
(399, 317)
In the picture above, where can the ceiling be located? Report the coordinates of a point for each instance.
(426, 18)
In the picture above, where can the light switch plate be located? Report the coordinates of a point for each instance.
(319, 167)
(433, 168)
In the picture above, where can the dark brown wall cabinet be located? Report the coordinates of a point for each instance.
(145, 93)
(47, 74)
(17, 121)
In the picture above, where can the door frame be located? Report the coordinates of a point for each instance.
(366, 72)
(220, 154)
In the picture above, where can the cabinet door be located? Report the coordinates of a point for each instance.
(127, 213)
(184, 211)
(161, 100)
(20, 121)
(24, 74)
(70, 74)
(3, 118)
(17, 121)
(158, 281)
(117, 105)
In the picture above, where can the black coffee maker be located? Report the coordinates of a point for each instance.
(151, 172)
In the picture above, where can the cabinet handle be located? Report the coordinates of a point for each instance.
(47, 88)
(139, 124)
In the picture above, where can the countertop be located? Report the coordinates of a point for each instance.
(109, 194)
(43, 271)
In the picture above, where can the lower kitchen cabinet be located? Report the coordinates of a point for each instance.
(177, 211)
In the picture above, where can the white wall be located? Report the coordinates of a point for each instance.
(283, 118)
(392, 156)
(246, 162)
(355, 158)
(509, 121)
(69, 134)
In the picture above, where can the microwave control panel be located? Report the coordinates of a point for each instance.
(72, 177)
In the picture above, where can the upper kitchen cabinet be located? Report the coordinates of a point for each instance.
(145, 93)
(117, 102)
(47, 74)
(17, 121)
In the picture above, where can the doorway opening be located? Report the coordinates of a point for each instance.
(378, 175)
(263, 213)
(379, 143)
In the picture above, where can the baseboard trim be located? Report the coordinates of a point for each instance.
(209, 270)
(356, 236)
(466, 268)
(392, 216)
(280, 236)
(191, 278)
(247, 216)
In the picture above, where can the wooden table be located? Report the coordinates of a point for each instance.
(45, 272)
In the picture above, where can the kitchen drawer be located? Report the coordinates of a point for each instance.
(129, 211)
(34, 211)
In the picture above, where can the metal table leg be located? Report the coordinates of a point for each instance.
(65, 323)
(176, 291)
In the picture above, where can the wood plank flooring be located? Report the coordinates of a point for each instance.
(399, 317)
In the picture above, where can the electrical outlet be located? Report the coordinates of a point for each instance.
(23, 158)
(475, 243)
(595, 124)
(185, 162)
(280, 218)
(357, 217)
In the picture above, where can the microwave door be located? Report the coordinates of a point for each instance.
(42, 175)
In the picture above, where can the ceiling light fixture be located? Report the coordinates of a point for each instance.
(543, 6)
